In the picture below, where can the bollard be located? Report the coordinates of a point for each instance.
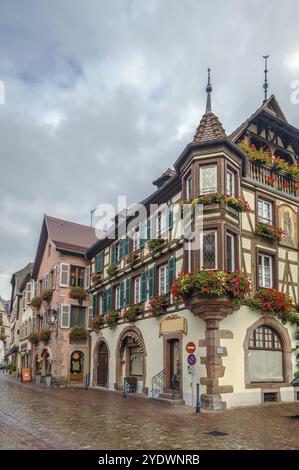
(197, 408)
(86, 381)
(125, 389)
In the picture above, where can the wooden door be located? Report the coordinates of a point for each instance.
(103, 365)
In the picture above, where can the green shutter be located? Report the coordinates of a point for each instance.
(94, 304)
(113, 255)
(99, 263)
(127, 245)
(170, 216)
(148, 229)
(142, 234)
(151, 282)
(143, 287)
(171, 271)
(109, 299)
(122, 294)
(104, 300)
(128, 292)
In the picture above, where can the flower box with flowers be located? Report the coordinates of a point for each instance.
(270, 232)
(155, 245)
(78, 293)
(96, 277)
(159, 304)
(274, 303)
(235, 202)
(112, 318)
(132, 312)
(132, 258)
(97, 323)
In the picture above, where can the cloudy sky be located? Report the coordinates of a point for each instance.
(101, 97)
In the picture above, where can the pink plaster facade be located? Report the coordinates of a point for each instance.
(60, 346)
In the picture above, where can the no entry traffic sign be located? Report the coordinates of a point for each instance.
(191, 359)
(190, 347)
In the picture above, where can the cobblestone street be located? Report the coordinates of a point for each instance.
(34, 417)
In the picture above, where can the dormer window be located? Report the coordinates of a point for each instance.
(208, 179)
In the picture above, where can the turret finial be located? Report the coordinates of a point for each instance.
(266, 84)
(209, 90)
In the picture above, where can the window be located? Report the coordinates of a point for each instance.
(208, 179)
(136, 240)
(161, 222)
(136, 361)
(265, 355)
(163, 279)
(230, 183)
(49, 249)
(189, 187)
(265, 271)
(230, 252)
(77, 276)
(265, 211)
(209, 250)
(77, 316)
(137, 290)
(117, 297)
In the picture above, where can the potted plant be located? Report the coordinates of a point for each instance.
(155, 244)
(47, 295)
(33, 338)
(269, 231)
(112, 269)
(159, 304)
(78, 333)
(112, 318)
(78, 293)
(45, 336)
(36, 302)
(97, 323)
(131, 313)
(132, 258)
(274, 303)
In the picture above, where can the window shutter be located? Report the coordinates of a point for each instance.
(170, 216)
(64, 274)
(47, 282)
(149, 229)
(90, 316)
(65, 316)
(151, 282)
(113, 254)
(104, 300)
(122, 294)
(142, 230)
(94, 304)
(99, 263)
(109, 299)
(87, 277)
(143, 287)
(54, 278)
(128, 292)
(171, 271)
(127, 245)
(33, 324)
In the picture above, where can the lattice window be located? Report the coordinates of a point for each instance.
(264, 337)
(209, 255)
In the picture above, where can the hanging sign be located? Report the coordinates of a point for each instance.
(191, 359)
(190, 347)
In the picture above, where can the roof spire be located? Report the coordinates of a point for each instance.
(208, 90)
(266, 84)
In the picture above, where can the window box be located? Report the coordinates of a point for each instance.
(78, 293)
(112, 269)
(270, 232)
(78, 333)
(96, 277)
(155, 245)
(159, 304)
(112, 318)
(132, 258)
(131, 313)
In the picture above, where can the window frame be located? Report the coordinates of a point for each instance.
(232, 236)
(261, 218)
(215, 231)
(165, 277)
(230, 174)
(261, 285)
(137, 282)
(212, 189)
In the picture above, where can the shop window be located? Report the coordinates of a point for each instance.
(265, 356)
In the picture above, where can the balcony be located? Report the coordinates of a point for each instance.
(272, 178)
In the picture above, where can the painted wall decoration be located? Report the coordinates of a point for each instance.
(288, 220)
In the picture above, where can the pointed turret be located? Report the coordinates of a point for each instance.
(210, 128)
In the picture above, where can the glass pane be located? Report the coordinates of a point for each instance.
(208, 179)
(209, 250)
(230, 252)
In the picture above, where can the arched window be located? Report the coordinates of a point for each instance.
(265, 355)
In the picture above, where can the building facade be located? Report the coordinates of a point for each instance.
(4, 332)
(140, 331)
(59, 341)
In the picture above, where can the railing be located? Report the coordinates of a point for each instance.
(158, 383)
(272, 178)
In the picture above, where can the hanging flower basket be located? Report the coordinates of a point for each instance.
(47, 295)
(78, 332)
(78, 293)
(112, 318)
(159, 304)
(36, 302)
(45, 336)
(33, 338)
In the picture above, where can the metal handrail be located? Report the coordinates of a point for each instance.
(158, 383)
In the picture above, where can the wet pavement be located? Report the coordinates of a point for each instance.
(36, 417)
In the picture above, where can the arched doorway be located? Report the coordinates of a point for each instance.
(131, 359)
(77, 366)
(265, 358)
(103, 365)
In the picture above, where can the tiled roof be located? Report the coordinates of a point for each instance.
(69, 235)
(210, 128)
